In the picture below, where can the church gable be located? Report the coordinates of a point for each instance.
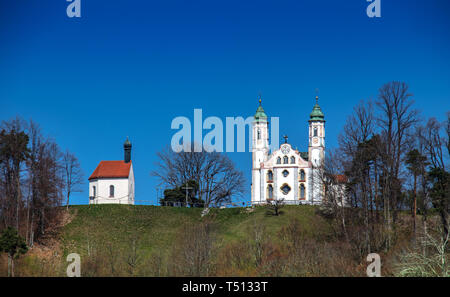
(286, 156)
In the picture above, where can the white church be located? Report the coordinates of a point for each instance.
(112, 182)
(287, 173)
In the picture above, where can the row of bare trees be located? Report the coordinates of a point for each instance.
(392, 162)
(35, 178)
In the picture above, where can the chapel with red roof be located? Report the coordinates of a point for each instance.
(112, 182)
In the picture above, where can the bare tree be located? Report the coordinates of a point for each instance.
(335, 190)
(73, 175)
(396, 119)
(13, 154)
(217, 177)
(435, 143)
(44, 183)
(274, 206)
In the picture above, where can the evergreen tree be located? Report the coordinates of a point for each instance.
(12, 244)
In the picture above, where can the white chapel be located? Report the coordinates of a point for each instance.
(112, 182)
(287, 173)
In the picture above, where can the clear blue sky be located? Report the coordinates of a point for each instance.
(130, 67)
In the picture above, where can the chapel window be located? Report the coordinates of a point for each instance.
(302, 174)
(285, 160)
(278, 160)
(292, 160)
(111, 191)
(270, 192)
(302, 191)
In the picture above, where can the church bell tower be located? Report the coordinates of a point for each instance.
(316, 147)
(260, 150)
(316, 152)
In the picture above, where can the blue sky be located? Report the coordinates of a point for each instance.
(127, 68)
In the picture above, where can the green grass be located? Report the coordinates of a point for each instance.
(157, 227)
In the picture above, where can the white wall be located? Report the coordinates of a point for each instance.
(131, 186)
(120, 191)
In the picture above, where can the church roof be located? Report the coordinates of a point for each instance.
(111, 169)
(260, 114)
(316, 114)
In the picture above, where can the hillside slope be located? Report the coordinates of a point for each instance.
(124, 240)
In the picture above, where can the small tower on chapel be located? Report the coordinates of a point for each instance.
(127, 151)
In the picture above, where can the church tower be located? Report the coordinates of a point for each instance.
(316, 147)
(260, 151)
(316, 150)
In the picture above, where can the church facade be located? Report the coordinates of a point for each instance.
(287, 173)
(112, 182)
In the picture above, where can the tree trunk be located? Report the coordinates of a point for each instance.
(9, 265)
(415, 206)
(12, 266)
(67, 203)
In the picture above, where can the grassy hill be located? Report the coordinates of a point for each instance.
(124, 240)
(157, 227)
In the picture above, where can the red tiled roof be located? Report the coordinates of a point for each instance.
(112, 169)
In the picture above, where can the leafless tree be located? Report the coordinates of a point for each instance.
(73, 175)
(358, 128)
(335, 189)
(13, 154)
(274, 206)
(396, 119)
(218, 178)
(435, 142)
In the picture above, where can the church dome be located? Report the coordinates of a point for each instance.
(260, 114)
(316, 114)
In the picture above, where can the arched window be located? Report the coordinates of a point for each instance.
(302, 191)
(302, 174)
(270, 192)
(315, 131)
(292, 160)
(278, 160)
(111, 191)
(94, 191)
(270, 175)
(259, 134)
(285, 160)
